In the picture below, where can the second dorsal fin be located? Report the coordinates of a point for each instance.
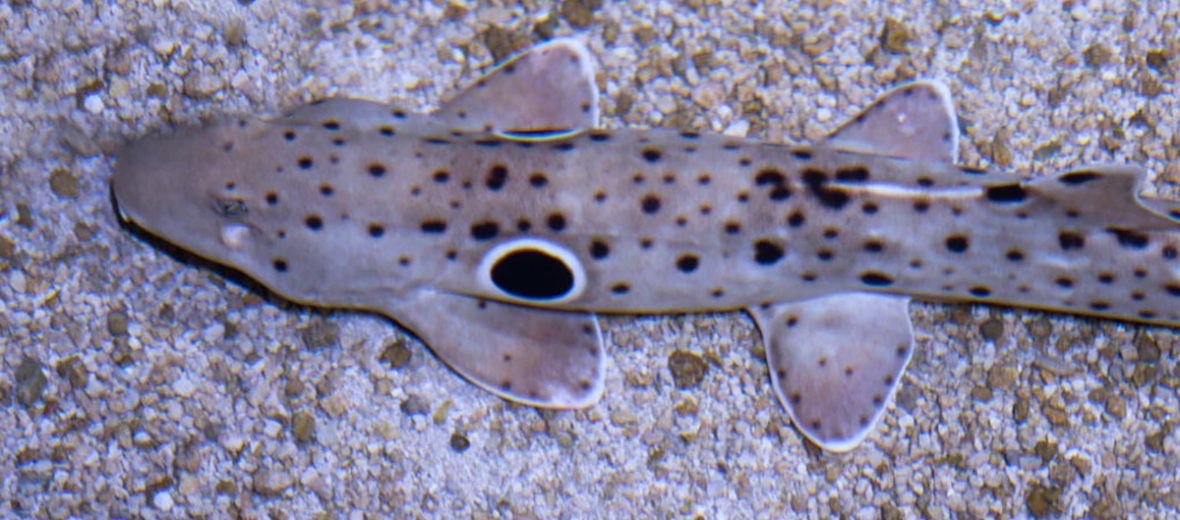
(548, 87)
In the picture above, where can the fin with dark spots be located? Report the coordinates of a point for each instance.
(548, 87)
(835, 361)
(913, 121)
(533, 356)
(1106, 195)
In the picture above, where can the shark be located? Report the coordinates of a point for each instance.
(498, 226)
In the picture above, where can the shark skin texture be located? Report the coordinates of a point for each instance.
(497, 226)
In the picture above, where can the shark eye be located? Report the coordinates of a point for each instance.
(230, 207)
(533, 270)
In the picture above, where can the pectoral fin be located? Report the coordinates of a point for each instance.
(533, 356)
(835, 361)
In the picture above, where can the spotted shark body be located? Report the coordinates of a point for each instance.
(495, 227)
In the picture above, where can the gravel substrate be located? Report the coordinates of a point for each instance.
(137, 385)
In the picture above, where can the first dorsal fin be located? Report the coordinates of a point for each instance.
(548, 87)
(913, 121)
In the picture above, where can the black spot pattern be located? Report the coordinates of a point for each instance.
(817, 184)
(280, 265)
(651, 155)
(556, 222)
(376, 230)
(376, 170)
(538, 180)
(1129, 238)
(766, 252)
(650, 204)
(796, 219)
(876, 279)
(434, 226)
(314, 222)
(497, 176)
(1070, 240)
(485, 230)
(687, 263)
(775, 183)
(957, 243)
(599, 250)
(1078, 178)
(1006, 193)
(852, 174)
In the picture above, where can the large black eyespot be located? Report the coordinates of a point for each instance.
(531, 273)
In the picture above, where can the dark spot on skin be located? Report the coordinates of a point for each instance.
(441, 176)
(314, 222)
(876, 279)
(776, 183)
(874, 246)
(651, 203)
(600, 196)
(289, 135)
(808, 277)
(376, 230)
(1173, 289)
(1146, 314)
(620, 288)
(745, 162)
(1006, 193)
(279, 264)
(925, 182)
(399, 114)
(488, 143)
(452, 255)
(1064, 282)
(599, 250)
(921, 206)
(651, 155)
(1106, 278)
(796, 219)
(327, 190)
(385, 131)
(524, 225)
(564, 147)
(817, 184)
(957, 243)
(980, 291)
(869, 208)
(305, 162)
(599, 137)
(1014, 255)
(669, 178)
(852, 174)
(825, 254)
(1140, 273)
(556, 222)
(1071, 240)
(485, 230)
(732, 227)
(272, 198)
(538, 180)
(377, 170)
(767, 252)
(434, 226)
(1129, 238)
(704, 179)
(1169, 252)
(689, 134)
(801, 154)
(637, 179)
(497, 176)
(1078, 178)
(687, 263)
(331, 125)
(743, 197)
(716, 292)
(646, 243)
(1099, 305)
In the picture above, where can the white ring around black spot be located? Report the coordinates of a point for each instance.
(533, 247)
